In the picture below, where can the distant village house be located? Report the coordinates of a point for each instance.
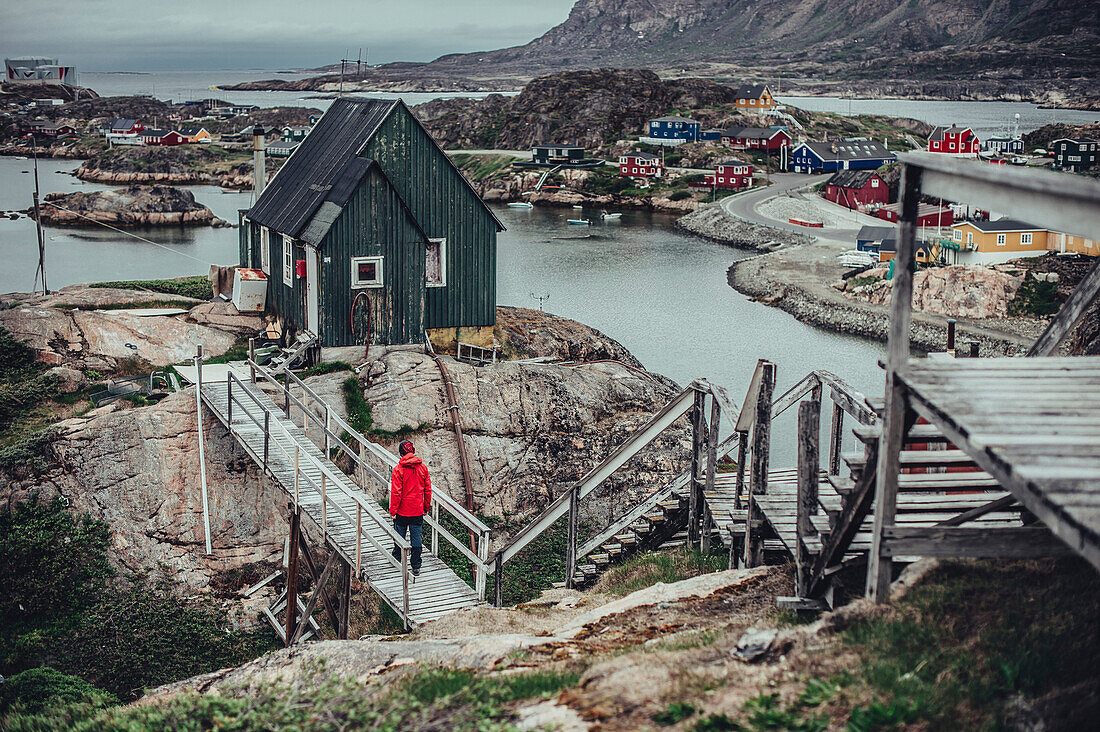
(855, 188)
(557, 154)
(853, 153)
(927, 214)
(674, 128)
(755, 96)
(641, 165)
(1005, 145)
(162, 137)
(732, 175)
(954, 141)
(1074, 155)
(195, 135)
(756, 138)
(370, 235)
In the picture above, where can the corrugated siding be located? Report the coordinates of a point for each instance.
(445, 206)
(287, 301)
(373, 223)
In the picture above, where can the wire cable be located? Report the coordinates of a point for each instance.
(127, 233)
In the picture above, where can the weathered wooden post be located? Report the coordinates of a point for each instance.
(809, 427)
(880, 566)
(483, 556)
(695, 487)
(758, 477)
(286, 392)
(345, 600)
(498, 581)
(252, 358)
(202, 449)
(267, 435)
(712, 469)
(742, 451)
(571, 541)
(836, 439)
(292, 576)
(405, 585)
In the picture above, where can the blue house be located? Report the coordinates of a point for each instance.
(710, 135)
(870, 238)
(853, 153)
(1005, 144)
(674, 128)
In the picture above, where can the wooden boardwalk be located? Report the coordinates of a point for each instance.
(436, 592)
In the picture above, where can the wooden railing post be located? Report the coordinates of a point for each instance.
(252, 358)
(297, 474)
(328, 428)
(324, 508)
(571, 541)
(498, 581)
(286, 392)
(358, 539)
(267, 435)
(698, 443)
(229, 401)
(292, 576)
(479, 571)
(809, 462)
(758, 478)
(742, 451)
(435, 532)
(711, 470)
(836, 439)
(405, 585)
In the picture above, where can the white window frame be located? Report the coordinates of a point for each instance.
(356, 284)
(958, 235)
(970, 237)
(265, 251)
(288, 261)
(442, 261)
(1026, 238)
(1002, 239)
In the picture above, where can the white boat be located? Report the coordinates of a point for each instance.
(521, 204)
(580, 222)
(612, 216)
(233, 190)
(578, 208)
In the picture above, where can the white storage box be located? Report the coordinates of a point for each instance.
(249, 290)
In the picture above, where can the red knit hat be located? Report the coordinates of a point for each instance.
(405, 448)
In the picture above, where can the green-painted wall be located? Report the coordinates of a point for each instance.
(445, 206)
(373, 223)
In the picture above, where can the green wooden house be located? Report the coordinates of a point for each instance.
(370, 235)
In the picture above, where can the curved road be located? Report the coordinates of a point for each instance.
(743, 206)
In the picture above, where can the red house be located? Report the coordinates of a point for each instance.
(927, 214)
(755, 138)
(162, 137)
(954, 141)
(641, 165)
(730, 174)
(855, 188)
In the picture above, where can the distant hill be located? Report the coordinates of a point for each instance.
(856, 36)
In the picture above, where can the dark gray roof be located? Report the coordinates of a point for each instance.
(1075, 140)
(122, 124)
(557, 146)
(1002, 225)
(876, 233)
(673, 119)
(850, 149)
(154, 133)
(851, 178)
(310, 190)
(751, 91)
(939, 132)
(190, 130)
(753, 133)
(322, 167)
(641, 155)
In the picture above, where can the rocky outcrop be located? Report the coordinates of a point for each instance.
(133, 206)
(177, 164)
(957, 290)
(531, 430)
(66, 328)
(527, 333)
(712, 222)
(520, 186)
(137, 469)
(588, 108)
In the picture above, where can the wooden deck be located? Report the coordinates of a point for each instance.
(1033, 425)
(436, 592)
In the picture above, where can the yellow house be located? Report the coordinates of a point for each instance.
(1064, 243)
(195, 134)
(755, 96)
(991, 242)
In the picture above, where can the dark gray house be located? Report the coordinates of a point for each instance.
(370, 235)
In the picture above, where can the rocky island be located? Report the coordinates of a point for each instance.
(132, 206)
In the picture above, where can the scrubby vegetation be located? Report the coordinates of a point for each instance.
(64, 607)
(649, 568)
(197, 287)
(24, 387)
(1035, 298)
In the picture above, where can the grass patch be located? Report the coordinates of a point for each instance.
(973, 634)
(649, 568)
(62, 607)
(674, 713)
(197, 287)
(361, 418)
(325, 367)
(1035, 298)
(34, 690)
(237, 352)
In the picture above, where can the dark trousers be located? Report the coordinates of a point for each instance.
(412, 528)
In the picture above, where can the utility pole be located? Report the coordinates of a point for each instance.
(38, 221)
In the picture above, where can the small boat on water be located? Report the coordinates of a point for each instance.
(580, 222)
(521, 204)
(578, 208)
(611, 216)
(233, 190)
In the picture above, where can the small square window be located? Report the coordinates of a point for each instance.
(1001, 240)
(265, 250)
(366, 272)
(958, 235)
(1025, 238)
(288, 261)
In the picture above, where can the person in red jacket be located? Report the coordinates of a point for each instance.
(410, 499)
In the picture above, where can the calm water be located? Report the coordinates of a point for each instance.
(985, 118)
(660, 293)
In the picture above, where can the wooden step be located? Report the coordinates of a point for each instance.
(868, 433)
(914, 459)
(930, 483)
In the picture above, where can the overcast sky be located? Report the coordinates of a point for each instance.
(140, 35)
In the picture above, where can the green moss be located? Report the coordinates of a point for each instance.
(32, 455)
(325, 367)
(1035, 298)
(197, 287)
(36, 689)
(649, 568)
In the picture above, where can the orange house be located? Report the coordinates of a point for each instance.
(755, 96)
(991, 242)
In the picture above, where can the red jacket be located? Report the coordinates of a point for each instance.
(410, 488)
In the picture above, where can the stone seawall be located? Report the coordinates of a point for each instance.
(712, 222)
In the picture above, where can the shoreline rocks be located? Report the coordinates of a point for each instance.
(712, 222)
(132, 206)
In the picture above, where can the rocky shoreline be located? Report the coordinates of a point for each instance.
(713, 223)
(132, 206)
